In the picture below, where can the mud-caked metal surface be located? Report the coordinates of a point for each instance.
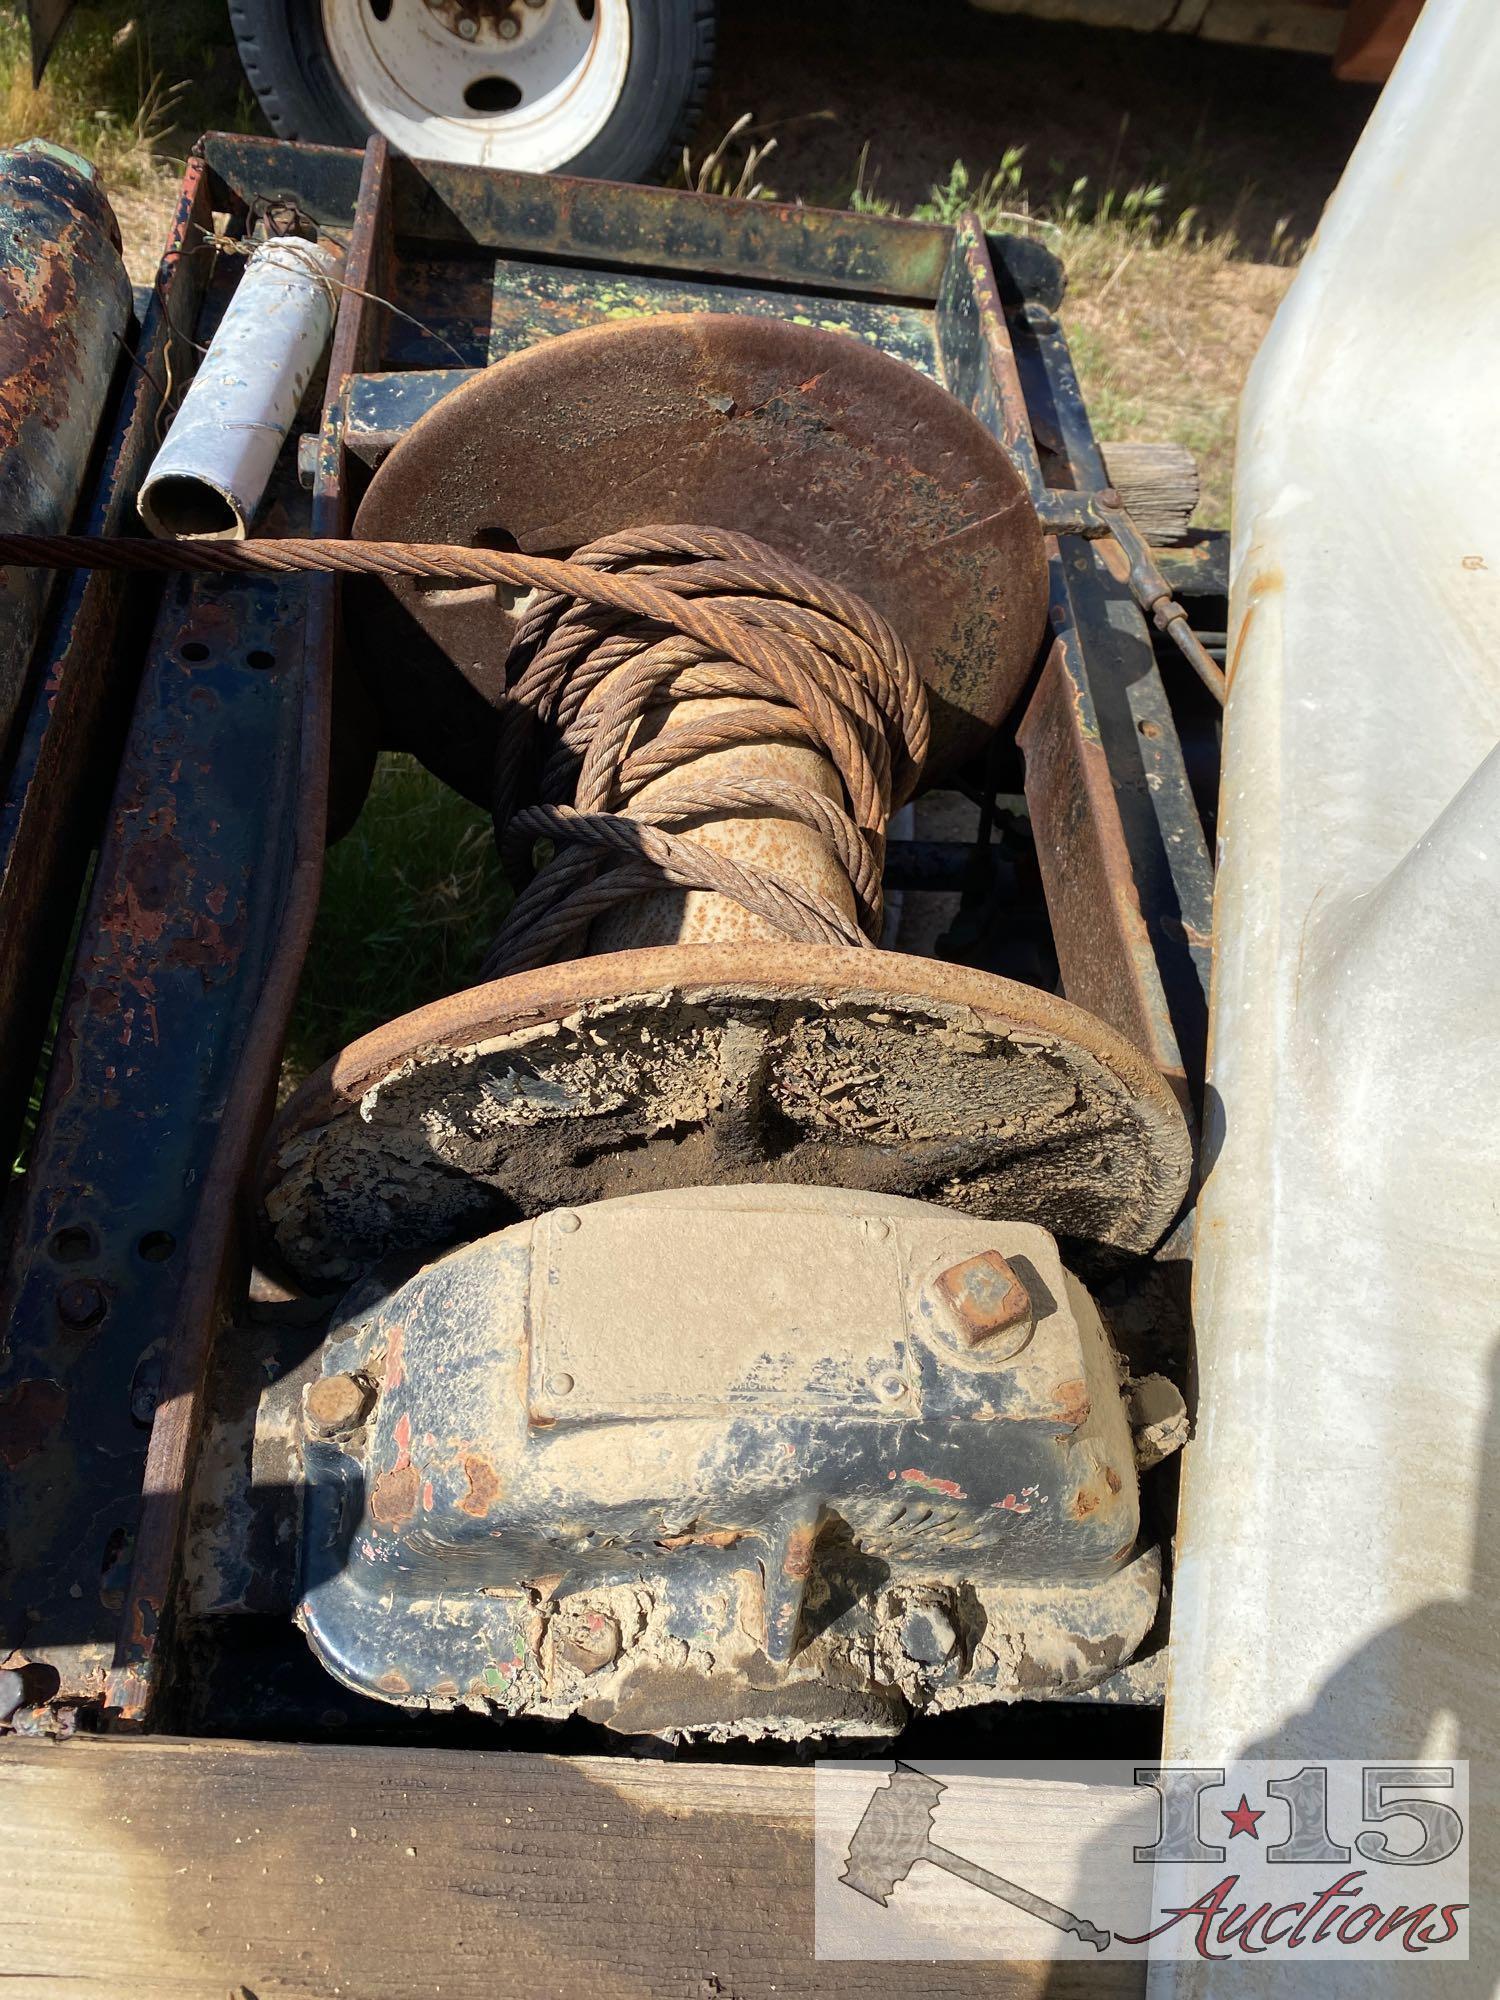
(650, 1069)
(839, 457)
(725, 1460)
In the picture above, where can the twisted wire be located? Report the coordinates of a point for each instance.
(793, 659)
(633, 623)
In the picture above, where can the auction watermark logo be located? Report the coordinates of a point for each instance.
(1256, 1862)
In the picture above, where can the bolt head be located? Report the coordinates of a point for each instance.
(468, 27)
(559, 1385)
(590, 1642)
(927, 1635)
(987, 1305)
(509, 29)
(567, 1221)
(336, 1403)
(80, 1304)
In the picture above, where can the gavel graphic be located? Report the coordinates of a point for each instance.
(895, 1833)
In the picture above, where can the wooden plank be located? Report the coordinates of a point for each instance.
(173, 1867)
(1158, 483)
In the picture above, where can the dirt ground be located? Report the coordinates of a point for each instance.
(1250, 138)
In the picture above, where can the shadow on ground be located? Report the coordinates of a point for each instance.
(1251, 137)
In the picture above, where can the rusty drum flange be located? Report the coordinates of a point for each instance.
(835, 454)
(707, 1064)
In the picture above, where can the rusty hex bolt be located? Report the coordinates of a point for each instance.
(337, 1403)
(988, 1305)
(80, 1304)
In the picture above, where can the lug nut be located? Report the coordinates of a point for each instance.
(337, 1403)
(468, 27)
(509, 29)
(988, 1305)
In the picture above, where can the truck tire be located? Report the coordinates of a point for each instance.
(607, 88)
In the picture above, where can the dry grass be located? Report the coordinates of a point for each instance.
(411, 900)
(1163, 331)
(130, 92)
(729, 168)
(68, 109)
(1163, 314)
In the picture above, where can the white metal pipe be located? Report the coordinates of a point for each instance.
(212, 472)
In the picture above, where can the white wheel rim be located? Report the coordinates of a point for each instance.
(442, 81)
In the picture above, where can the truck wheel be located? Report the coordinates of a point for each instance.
(601, 87)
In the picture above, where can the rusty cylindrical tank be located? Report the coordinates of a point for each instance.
(64, 308)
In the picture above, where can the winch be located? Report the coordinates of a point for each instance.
(752, 1441)
(742, 1310)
